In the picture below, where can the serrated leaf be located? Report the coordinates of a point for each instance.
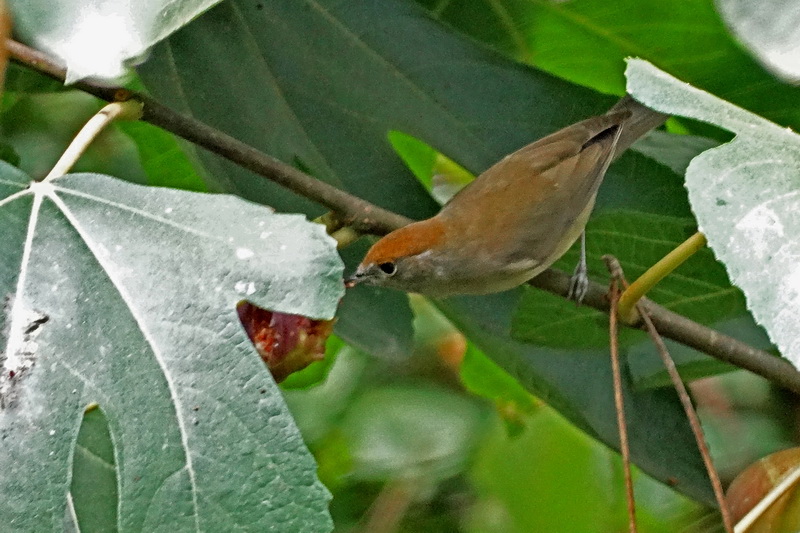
(745, 197)
(98, 38)
(125, 295)
(698, 289)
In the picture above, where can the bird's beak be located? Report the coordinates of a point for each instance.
(353, 280)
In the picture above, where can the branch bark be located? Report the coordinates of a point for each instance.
(351, 210)
(369, 218)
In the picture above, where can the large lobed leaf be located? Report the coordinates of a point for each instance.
(745, 196)
(125, 296)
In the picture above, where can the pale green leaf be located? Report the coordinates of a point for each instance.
(746, 196)
(125, 295)
(97, 38)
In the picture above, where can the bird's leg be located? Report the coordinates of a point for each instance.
(579, 282)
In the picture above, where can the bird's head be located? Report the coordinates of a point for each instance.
(405, 259)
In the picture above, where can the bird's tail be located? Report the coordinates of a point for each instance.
(642, 120)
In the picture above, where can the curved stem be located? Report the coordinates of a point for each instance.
(130, 110)
(665, 266)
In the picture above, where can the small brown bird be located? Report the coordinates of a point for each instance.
(514, 220)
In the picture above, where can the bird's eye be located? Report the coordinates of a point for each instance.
(388, 268)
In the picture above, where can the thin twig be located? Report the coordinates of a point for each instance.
(685, 331)
(360, 214)
(686, 402)
(619, 403)
(368, 218)
(389, 508)
(355, 212)
(691, 415)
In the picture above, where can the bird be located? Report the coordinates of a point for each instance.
(515, 219)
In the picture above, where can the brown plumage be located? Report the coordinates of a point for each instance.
(509, 224)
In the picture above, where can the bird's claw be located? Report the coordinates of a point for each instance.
(578, 283)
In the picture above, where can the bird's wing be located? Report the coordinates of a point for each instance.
(548, 184)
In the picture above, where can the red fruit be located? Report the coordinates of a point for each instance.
(286, 343)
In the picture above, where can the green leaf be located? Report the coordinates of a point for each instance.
(647, 369)
(98, 38)
(587, 41)
(769, 31)
(411, 432)
(24, 80)
(417, 155)
(548, 320)
(578, 384)
(373, 319)
(698, 289)
(164, 158)
(94, 476)
(330, 102)
(570, 484)
(441, 176)
(481, 376)
(744, 194)
(38, 126)
(306, 112)
(125, 296)
(327, 105)
(8, 154)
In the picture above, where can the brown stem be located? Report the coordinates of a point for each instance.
(369, 218)
(694, 421)
(619, 403)
(680, 329)
(391, 505)
(683, 396)
(354, 211)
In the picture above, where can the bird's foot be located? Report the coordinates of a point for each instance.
(579, 283)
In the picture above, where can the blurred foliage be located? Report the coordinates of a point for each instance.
(374, 426)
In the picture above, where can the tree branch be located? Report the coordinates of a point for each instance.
(353, 211)
(685, 331)
(369, 218)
